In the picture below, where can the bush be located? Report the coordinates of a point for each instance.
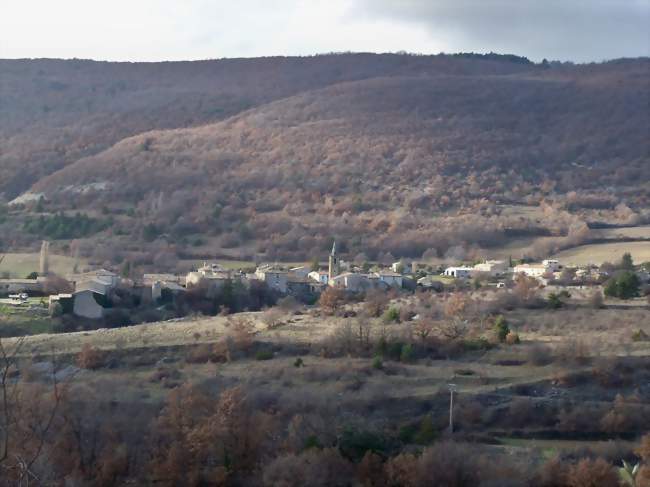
(553, 301)
(264, 355)
(593, 473)
(205, 352)
(91, 358)
(406, 314)
(512, 338)
(624, 286)
(395, 350)
(640, 336)
(426, 433)
(377, 363)
(501, 328)
(406, 354)
(298, 363)
(354, 444)
(391, 315)
(596, 300)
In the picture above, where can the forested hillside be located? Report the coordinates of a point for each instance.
(398, 153)
(54, 112)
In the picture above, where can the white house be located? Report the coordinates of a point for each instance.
(531, 270)
(459, 272)
(548, 266)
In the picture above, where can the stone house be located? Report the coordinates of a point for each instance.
(492, 267)
(274, 277)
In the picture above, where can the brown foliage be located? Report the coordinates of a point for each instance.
(375, 303)
(592, 473)
(644, 448)
(370, 471)
(314, 467)
(198, 440)
(332, 299)
(91, 357)
(445, 463)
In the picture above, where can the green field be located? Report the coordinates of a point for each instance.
(19, 265)
(30, 318)
(608, 252)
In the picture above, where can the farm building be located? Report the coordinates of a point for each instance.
(459, 272)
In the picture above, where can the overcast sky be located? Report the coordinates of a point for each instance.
(154, 30)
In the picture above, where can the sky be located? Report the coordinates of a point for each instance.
(158, 30)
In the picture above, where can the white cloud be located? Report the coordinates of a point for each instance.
(151, 30)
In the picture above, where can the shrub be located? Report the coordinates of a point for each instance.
(592, 473)
(377, 362)
(501, 328)
(314, 466)
(354, 443)
(426, 433)
(406, 433)
(624, 286)
(91, 358)
(406, 314)
(375, 303)
(298, 362)
(312, 442)
(205, 352)
(391, 315)
(395, 350)
(288, 304)
(332, 299)
(406, 355)
(264, 355)
(596, 300)
(512, 338)
(553, 301)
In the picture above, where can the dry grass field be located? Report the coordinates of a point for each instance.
(609, 252)
(19, 265)
(617, 233)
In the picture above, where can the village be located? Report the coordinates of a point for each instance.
(96, 294)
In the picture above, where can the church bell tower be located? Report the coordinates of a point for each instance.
(334, 265)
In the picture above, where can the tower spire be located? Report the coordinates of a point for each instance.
(334, 268)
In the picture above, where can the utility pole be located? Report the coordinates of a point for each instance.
(452, 388)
